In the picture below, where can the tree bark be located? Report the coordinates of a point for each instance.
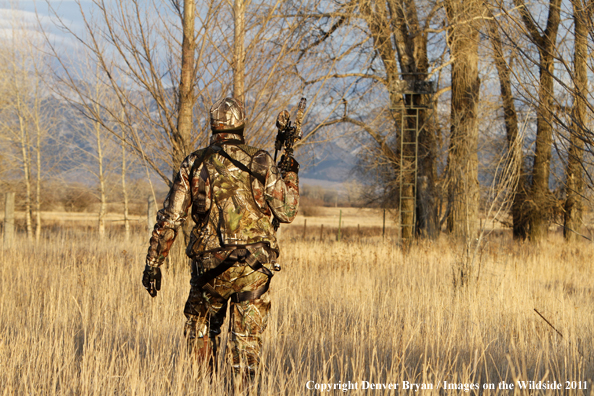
(182, 137)
(514, 141)
(125, 194)
(399, 19)
(411, 46)
(540, 197)
(9, 219)
(26, 166)
(574, 184)
(239, 51)
(102, 198)
(463, 192)
(38, 176)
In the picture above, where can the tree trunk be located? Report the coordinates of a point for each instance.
(427, 217)
(26, 170)
(399, 19)
(574, 183)
(540, 196)
(9, 220)
(103, 203)
(125, 193)
(182, 137)
(239, 51)
(38, 180)
(463, 193)
(514, 141)
(540, 193)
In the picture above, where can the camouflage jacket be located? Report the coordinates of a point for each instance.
(233, 190)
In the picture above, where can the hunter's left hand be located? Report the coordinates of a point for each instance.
(151, 280)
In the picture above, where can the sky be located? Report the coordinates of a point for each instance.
(30, 12)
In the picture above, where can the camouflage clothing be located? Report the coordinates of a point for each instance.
(239, 204)
(206, 313)
(233, 190)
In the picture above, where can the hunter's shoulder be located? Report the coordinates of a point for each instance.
(193, 159)
(253, 151)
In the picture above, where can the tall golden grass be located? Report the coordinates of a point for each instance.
(75, 319)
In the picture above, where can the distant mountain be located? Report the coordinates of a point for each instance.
(332, 161)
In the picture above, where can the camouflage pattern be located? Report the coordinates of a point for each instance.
(234, 190)
(240, 204)
(205, 310)
(227, 114)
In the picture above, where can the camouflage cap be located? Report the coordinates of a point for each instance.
(227, 114)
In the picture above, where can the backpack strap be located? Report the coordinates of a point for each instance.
(241, 166)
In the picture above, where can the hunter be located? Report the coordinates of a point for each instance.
(234, 191)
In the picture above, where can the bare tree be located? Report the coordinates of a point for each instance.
(239, 50)
(519, 193)
(545, 41)
(390, 41)
(166, 79)
(574, 184)
(22, 120)
(148, 71)
(125, 194)
(182, 139)
(463, 191)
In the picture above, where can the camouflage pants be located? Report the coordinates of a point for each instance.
(205, 312)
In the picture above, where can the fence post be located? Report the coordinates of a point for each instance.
(9, 219)
(151, 214)
(322, 233)
(304, 228)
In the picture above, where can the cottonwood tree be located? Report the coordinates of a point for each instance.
(26, 118)
(368, 47)
(463, 186)
(510, 116)
(574, 185)
(168, 62)
(148, 71)
(544, 39)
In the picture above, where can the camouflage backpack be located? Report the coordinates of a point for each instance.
(232, 216)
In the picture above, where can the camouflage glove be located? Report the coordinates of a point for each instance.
(289, 164)
(151, 280)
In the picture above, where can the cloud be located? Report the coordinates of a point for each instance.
(33, 25)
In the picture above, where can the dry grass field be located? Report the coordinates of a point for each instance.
(75, 319)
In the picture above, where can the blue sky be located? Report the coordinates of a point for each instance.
(29, 12)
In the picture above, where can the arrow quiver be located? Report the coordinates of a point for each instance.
(288, 135)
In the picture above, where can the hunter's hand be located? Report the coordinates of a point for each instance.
(289, 164)
(151, 280)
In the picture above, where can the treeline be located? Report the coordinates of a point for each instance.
(502, 85)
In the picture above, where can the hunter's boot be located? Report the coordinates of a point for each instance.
(198, 342)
